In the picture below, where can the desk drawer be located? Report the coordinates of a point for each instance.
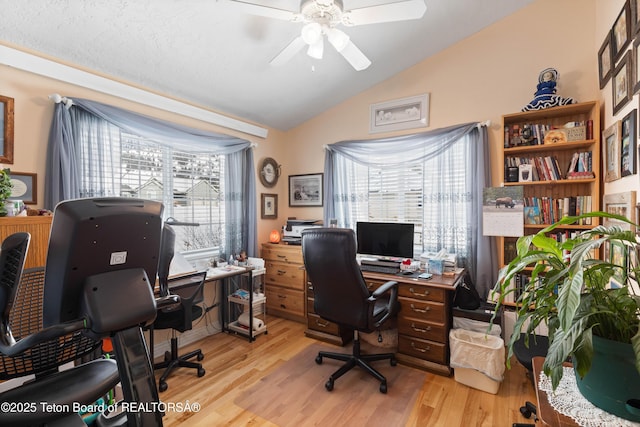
(282, 253)
(423, 349)
(423, 310)
(317, 323)
(287, 300)
(421, 329)
(282, 274)
(421, 292)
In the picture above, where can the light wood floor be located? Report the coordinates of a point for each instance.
(233, 365)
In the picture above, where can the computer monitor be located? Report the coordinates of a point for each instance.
(94, 236)
(385, 239)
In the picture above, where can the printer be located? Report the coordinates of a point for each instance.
(292, 232)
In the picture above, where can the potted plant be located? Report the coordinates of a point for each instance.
(587, 303)
(6, 188)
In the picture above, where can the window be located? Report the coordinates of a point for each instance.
(190, 185)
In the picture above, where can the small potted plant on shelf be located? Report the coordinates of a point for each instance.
(590, 305)
(6, 188)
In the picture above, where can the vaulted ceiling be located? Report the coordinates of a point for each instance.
(212, 55)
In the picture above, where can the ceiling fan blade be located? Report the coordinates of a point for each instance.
(397, 11)
(288, 52)
(259, 10)
(356, 58)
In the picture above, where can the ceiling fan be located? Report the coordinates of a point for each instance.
(320, 19)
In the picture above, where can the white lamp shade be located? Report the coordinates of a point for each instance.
(337, 38)
(316, 49)
(311, 33)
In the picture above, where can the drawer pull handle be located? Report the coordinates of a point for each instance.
(421, 350)
(282, 296)
(419, 310)
(322, 324)
(413, 326)
(422, 294)
(281, 272)
(283, 306)
(282, 256)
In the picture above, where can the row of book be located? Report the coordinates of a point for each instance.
(536, 168)
(517, 135)
(580, 166)
(547, 210)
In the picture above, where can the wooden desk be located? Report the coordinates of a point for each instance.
(424, 319)
(546, 413)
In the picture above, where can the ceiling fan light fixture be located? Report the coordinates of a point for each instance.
(311, 33)
(316, 49)
(337, 38)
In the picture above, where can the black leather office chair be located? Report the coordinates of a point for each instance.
(537, 346)
(95, 285)
(179, 317)
(341, 296)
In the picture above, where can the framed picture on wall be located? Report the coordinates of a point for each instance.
(6, 130)
(305, 190)
(611, 152)
(605, 61)
(622, 83)
(268, 206)
(635, 18)
(25, 187)
(628, 144)
(635, 54)
(621, 31)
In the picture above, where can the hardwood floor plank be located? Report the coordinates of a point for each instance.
(233, 365)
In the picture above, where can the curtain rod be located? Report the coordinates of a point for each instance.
(45, 67)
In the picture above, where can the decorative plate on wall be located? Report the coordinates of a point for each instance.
(269, 172)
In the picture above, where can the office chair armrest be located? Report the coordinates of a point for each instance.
(386, 287)
(10, 347)
(168, 301)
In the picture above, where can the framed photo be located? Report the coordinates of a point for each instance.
(6, 130)
(635, 52)
(269, 206)
(635, 7)
(406, 113)
(605, 61)
(621, 31)
(305, 190)
(622, 83)
(628, 144)
(611, 152)
(25, 187)
(623, 204)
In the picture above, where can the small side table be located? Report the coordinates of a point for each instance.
(546, 413)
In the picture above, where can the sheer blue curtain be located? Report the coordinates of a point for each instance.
(80, 118)
(451, 217)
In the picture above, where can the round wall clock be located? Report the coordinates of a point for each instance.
(269, 172)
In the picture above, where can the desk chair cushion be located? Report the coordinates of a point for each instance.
(538, 346)
(175, 319)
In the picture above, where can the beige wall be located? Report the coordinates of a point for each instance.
(491, 73)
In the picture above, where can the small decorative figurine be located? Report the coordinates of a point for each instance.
(545, 96)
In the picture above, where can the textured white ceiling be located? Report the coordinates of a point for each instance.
(203, 52)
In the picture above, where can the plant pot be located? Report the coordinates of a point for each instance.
(613, 382)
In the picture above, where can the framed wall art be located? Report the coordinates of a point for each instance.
(635, 54)
(621, 31)
(305, 190)
(268, 206)
(635, 18)
(6, 130)
(628, 144)
(622, 83)
(25, 187)
(623, 204)
(406, 113)
(611, 152)
(605, 61)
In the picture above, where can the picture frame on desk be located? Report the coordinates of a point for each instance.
(25, 187)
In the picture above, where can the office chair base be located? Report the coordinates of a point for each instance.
(357, 359)
(172, 361)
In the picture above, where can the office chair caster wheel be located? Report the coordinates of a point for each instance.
(200, 357)
(319, 360)
(393, 361)
(201, 372)
(383, 387)
(525, 412)
(528, 409)
(329, 384)
(163, 386)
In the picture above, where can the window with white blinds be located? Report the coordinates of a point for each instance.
(191, 186)
(431, 195)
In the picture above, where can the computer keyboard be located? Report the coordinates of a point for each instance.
(379, 269)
